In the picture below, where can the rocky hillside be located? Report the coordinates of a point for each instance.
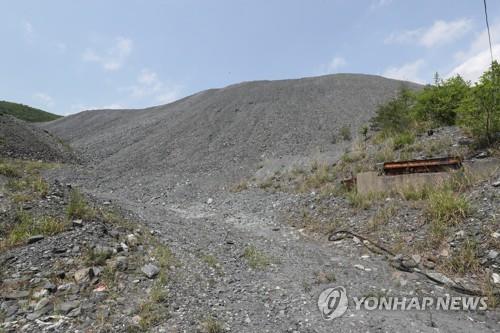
(226, 131)
(213, 214)
(19, 139)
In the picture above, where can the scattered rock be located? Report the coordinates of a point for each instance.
(16, 294)
(495, 278)
(132, 240)
(34, 239)
(103, 251)
(50, 286)
(82, 275)
(150, 270)
(95, 271)
(40, 293)
(66, 307)
(441, 278)
(492, 254)
(417, 258)
(122, 247)
(496, 183)
(482, 154)
(409, 263)
(42, 303)
(77, 223)
(121, 263)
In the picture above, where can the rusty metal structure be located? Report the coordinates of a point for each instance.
(422, 166)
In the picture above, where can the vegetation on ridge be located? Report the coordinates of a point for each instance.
(26, 113)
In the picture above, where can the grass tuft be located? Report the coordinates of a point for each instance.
(255, 258)
(210, 325)
(444, 209)
(25, 226)
(466, 260)
(9, 170)
(239, 187)
(78, 207)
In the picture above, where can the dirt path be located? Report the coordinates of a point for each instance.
(215, 279)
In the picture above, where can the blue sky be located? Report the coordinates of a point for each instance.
(67, 56)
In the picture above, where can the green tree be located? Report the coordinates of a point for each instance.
(438, 104)
(480, 110)
(395, 116)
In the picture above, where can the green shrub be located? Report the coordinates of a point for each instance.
(345, 133)
(395, 116)
(480, 109)
(403, 139)
(438, 104)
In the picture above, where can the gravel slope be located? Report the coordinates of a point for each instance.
(163, 164)
(222, 133)
(19, 139)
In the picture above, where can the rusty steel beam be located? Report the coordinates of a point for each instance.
(422, 166)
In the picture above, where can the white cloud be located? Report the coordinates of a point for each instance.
(408, 72)
(441, 32)
(380, 3)
(149, 85)
(476, 59)
(44, 99)
(114, 57)
(336, 63)
(28, 30)
(332, 67)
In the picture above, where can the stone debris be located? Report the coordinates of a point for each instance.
(34, 239)
(150, 270)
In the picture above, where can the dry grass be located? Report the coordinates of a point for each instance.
(363, 201)
(466, 260)
(412, 193)
(78, 207)
(242, 185)
(382, 217)
(321, 174)
(211, 325)
(444, 209)
(9, 170)
(255, 258)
